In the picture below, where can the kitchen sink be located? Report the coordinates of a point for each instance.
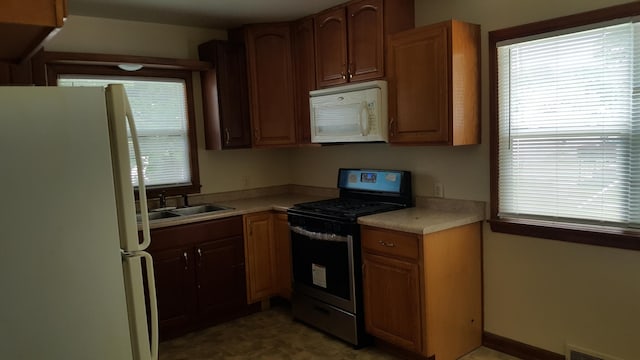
(155, 215)
(199, 209)
(185, 211)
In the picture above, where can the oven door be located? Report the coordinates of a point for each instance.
(323, 266)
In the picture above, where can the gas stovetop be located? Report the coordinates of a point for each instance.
(362, 192)
(346, 208)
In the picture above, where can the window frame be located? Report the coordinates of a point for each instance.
(98, 69)
(609, 236)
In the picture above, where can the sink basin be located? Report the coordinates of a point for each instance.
(155, 215)
(199, 209)
(190, 210)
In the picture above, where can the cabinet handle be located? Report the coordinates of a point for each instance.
(387, 244)
(391, 125)
(350, 71)
(186, 260)
(199, 257)
(344, 71)
(227, 136)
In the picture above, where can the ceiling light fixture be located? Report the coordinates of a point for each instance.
(130, 67)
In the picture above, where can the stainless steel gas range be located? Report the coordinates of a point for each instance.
(325, 249)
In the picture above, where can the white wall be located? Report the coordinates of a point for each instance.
(540, 292)
(219, 170)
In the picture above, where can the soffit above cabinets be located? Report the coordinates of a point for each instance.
(219, 14)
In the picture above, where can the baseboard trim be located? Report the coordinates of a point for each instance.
(518, 349)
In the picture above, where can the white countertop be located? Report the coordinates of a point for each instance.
(430, 214)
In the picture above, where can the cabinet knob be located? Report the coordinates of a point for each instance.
(350, 70)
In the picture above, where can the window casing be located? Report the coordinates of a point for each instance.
(168, 144)
(565, 119)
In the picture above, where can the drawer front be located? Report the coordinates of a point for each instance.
(391, 242)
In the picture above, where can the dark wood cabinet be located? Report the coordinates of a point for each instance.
(350, 39)
(434, 85)
(304, 61)
(29, 72)
(175, 290)
(225, 95)
(25, 26)
(200, 275)
(271, 92)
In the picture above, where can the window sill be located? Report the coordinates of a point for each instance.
(608, 236)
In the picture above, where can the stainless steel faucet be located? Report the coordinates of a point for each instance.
(162, 200)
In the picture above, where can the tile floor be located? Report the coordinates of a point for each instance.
(272, 334)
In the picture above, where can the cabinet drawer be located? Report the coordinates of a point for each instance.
(390, 242)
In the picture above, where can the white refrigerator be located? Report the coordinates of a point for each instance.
(71, 264)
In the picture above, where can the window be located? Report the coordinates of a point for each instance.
(566, 138)
(162, 110)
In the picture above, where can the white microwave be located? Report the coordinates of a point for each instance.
(349, 113)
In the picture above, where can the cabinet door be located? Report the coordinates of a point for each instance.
(366, 40)
(225, 95)
(305, 75)
(392, 300)
(418, 74)
(271, 85)
(260, 257)
(220, 279)
(175, 290)
(331, 47)
(282, 238)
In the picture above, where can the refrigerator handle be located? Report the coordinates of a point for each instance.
(153, 303)
(142, 191)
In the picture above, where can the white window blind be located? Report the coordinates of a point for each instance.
(569, 127)
(160, 114)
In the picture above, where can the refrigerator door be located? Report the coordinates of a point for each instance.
(135, 289)
(63, 288)
(119, 119)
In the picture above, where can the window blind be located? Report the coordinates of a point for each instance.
(569, 126)
(160, 114)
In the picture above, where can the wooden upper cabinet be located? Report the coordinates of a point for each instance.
(26, 24)
(331, 47)
(366, 40)
(305, 75)
(350, 39)
(225, 96)
(271, 84)
(434, 85)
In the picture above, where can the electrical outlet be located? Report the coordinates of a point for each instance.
(438, 190)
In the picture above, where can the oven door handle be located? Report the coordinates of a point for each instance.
(319, 236)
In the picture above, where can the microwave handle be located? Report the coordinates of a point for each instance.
(364, 119)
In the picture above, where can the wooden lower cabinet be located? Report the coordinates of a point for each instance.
(267, 253)
(392, 303)
(423, 293)
(200, 275)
